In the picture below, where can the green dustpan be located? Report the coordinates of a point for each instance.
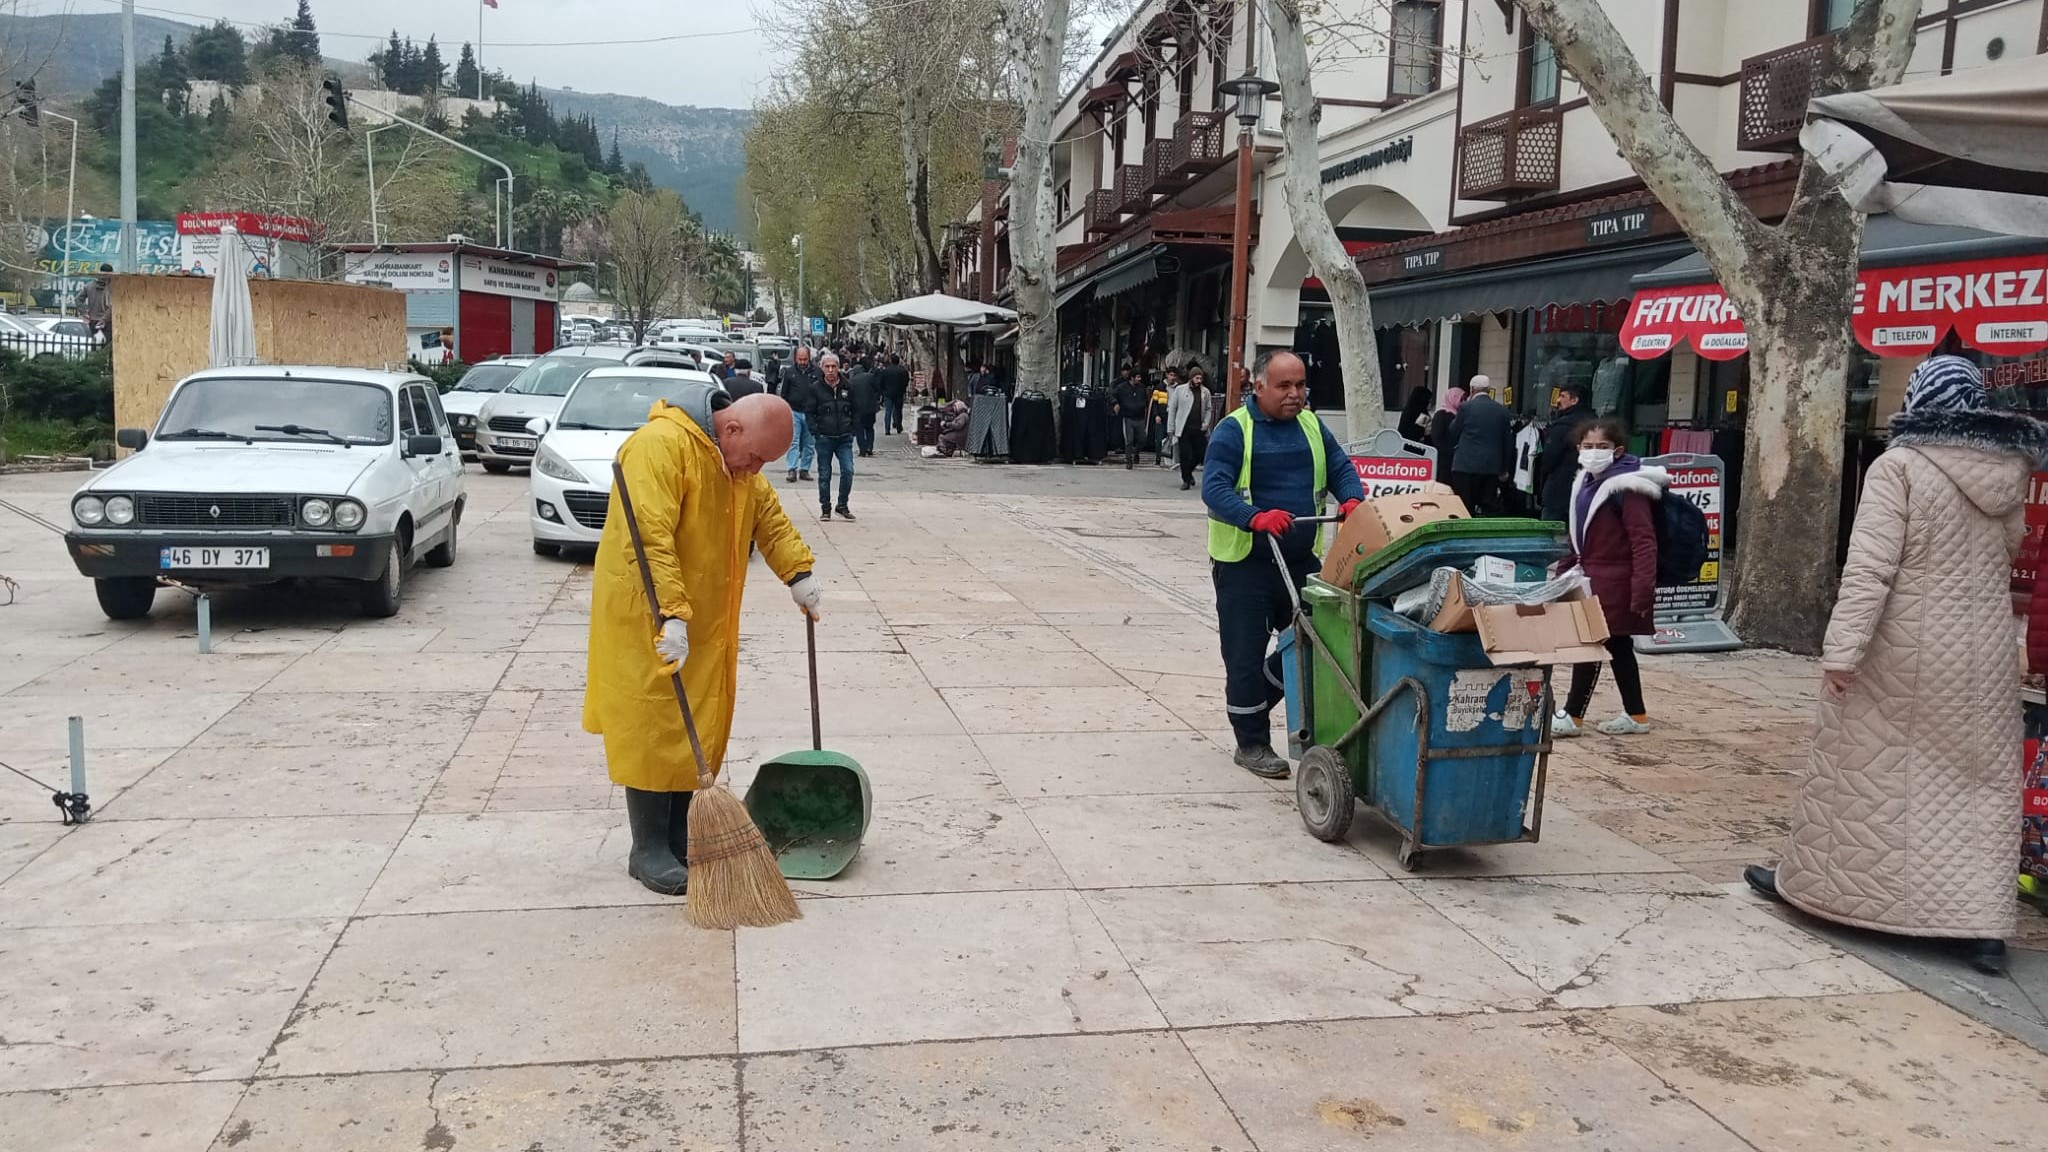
(812, 806)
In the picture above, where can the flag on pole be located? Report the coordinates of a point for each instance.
(490, 3)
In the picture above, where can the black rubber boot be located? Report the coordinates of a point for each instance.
(1763, 880)
(653, 861)
(679, 826)
(1986, 956)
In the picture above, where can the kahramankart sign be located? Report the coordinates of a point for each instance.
(1997, 305)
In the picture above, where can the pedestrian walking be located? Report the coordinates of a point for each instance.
(1414, 423)
(835, 419)
(1557, 465)
(1443, 426)
(867, 403)
(796, 387)
(95, 305)
(1908, 819)
(694, 474)
(1269, 461)
(1613, 540)
(1187, 412)
(1156, 428)
(894, 381)
(1485, 436)
(1128, 401)
(742, 381)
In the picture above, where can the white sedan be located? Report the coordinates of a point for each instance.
(572, 469)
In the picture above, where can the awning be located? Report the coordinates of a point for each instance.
(1126, 66)
(1071, 293)
(1577, 279)
(1129, 273)
(1104, 96)
(1918, 283)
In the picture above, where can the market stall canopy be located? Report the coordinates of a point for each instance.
(1969, 148)
(935, 308)
(1918, 283)
(1583, 278)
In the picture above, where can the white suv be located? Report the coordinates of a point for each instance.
(261, 474)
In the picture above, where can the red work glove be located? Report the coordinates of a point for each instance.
(1273, 522)
(1344, 509)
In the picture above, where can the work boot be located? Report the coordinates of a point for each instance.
(653, 861)
(845, 513)
(679, 825)
(792, 477)
(1263, 762)
(803, 474)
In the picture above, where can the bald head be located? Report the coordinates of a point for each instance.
(753, 430)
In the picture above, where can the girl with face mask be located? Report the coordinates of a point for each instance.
(1614, 542)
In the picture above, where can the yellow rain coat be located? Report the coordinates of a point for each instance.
(696, 521)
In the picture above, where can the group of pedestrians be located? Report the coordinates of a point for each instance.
(836, 398)
(1173, 416)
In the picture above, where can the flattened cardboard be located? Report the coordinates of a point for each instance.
(1377, 523)
(1568, 631)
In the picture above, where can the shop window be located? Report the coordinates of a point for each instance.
(1062, 200)
(1415, 36)
(1579, 344)
(1539, 83)
(1831, 15)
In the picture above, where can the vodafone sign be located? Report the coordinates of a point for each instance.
(1997, 305)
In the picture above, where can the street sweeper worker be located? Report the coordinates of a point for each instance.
(1268, 462)
(693, 472)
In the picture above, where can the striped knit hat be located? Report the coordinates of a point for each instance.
(1945, 384)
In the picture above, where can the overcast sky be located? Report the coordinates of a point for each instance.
(529, 39)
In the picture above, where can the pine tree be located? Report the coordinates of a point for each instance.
(391, 63)
(170, 76)
(614, 163)
(218, 53)
(305, 38)
(466, 75)
(433, 70)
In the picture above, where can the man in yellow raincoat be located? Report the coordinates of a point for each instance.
(693, 472)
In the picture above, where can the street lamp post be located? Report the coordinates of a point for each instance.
(370, 159)
(70, 204)
(1250, 92)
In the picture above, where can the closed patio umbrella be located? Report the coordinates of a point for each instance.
(1969, 148)
(231, 334)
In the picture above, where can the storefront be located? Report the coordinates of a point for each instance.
(1158, 298)
(493, 302)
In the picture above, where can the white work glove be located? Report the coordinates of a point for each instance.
(808, 596)
(673, 645)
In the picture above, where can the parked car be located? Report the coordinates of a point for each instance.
(259, 474)
(502, 439)
(477, 385)
(64, 326)
(22, 336)
(571, 479)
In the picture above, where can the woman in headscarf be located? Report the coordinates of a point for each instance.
(1415, 414)
(1441, 427)
(1908, 819)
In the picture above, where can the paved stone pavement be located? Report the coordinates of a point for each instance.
(360, 885)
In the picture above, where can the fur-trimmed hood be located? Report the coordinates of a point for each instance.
(1987, 452)
(1643, 480)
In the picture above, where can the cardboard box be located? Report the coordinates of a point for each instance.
(1377, 523)
(1568, 631)
(1493, 570)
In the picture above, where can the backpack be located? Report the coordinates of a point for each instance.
(1681, 541)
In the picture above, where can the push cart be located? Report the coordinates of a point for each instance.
(1449, 749)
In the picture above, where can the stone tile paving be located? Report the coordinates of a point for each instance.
(359, 885)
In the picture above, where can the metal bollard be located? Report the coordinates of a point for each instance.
(205, 623)
(77, 809)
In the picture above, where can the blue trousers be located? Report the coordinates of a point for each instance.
(800, 446)
(1251, 606)
(831, 448)
(892, 414)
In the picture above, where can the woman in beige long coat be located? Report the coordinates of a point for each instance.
(1908, 820)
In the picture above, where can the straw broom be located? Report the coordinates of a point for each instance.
(734, 880)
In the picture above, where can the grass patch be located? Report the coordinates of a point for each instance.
(20, 438)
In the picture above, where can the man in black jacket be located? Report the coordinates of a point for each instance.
(742, 382)
(1559, 461)
(1129, 402)
(865, 396)
(834, 412)
(893, 382)
(796, 387)
(1485, 436)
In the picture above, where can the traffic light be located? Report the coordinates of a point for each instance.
(337, 102)
(25, 99)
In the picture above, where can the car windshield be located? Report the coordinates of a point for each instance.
(488, 377)
(223, 408)
(553, 375)
(619, 403)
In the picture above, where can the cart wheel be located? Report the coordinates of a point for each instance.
(1323, 793)
(1409, 857)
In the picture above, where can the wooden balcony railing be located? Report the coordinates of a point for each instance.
(1775, 89)
(1197, 144)
(1099, 209)
(1511, 155)
(1160, 180)
(1132, 182)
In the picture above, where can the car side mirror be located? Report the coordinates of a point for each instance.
(422, 445)
(538, 425)
(131, 438)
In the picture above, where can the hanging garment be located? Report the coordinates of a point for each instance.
(1095, 442)
(988, 431)
(1073, 422)
(1527, 442)
(1032, 440)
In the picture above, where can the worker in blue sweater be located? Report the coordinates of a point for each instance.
(1269, 461)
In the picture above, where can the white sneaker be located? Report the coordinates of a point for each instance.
(1562, 726)
(1624, 726)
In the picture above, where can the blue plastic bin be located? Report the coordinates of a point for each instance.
(1290, 681)
(1476, 799)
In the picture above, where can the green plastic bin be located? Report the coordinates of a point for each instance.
(1334, 614)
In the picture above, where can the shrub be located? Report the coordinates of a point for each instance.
(54, 388)
(444, 376)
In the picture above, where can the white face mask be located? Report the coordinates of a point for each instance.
(1596, 459)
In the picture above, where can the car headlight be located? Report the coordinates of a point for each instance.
(551, 464)
(349, 515)
(463, 421)
(120, 510)
(316, 513)
(89, 511)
